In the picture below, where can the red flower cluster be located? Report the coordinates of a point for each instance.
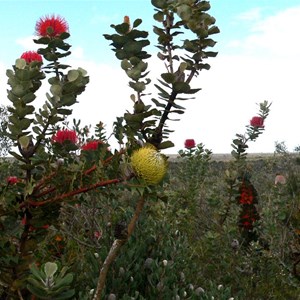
(65, 135)
(12, 180)
(247, 193)
(51, 26)
(91, 146)
(189, 143)
(257, 122)
(247, 198)
(247, 219)
(30, 56)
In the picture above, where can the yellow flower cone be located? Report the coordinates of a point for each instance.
(149, 164)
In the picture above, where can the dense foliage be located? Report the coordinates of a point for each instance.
(80, 220)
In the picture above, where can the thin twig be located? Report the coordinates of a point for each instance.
(115, 248)
(20, 295)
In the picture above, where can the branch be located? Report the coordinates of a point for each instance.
(115, 248)
(72, 193)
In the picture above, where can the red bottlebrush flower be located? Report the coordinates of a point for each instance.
(248, 194)
(257, 122)
(51, 26)
(248, 218)
(65, 135)
(91, 146)
(30, 56)
(189, 143)
(12, 180)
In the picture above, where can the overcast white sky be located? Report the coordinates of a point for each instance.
(259, 59)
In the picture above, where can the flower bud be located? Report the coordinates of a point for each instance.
(112, 297)
(199, 290)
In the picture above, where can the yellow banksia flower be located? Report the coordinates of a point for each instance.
(149, 164)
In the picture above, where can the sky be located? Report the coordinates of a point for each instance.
(258, 59)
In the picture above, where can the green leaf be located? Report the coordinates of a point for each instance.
(159, 16)
(64, 35)
(35, 271)
(25, 123)
(213, 30)
(64, 111)
(24, 141)
(163, 92)
(122, 28)
(17, 156)
(65, 295)
(165, 145)
(72, 75)
(50, 269)
(40, 293)
(67, 280)
(181, 87)
(168, 77)
(125, 64)
(42, 40)
(29, 97)
(158, 104)
(210, 53)
(20, 63)
(137, 22)
(159, 3)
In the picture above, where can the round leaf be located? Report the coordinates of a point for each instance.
(73, 75)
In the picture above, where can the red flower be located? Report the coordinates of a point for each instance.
(257, 122)
(189, 143)
(247, 220)
(51, 26)
(248, 194)
(30, 56)
(12, 180)
(65, 135)
(97, 234)
(91, 146)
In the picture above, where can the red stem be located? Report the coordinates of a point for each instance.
(72, 193)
